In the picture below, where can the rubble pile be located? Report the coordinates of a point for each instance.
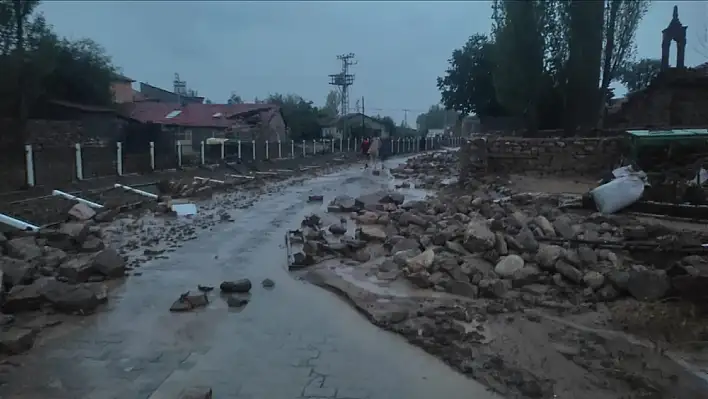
(499, 246)
(59, 269)
(500, 259)
(429, 169)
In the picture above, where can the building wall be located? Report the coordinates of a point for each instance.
(277, 128)
(122, 92)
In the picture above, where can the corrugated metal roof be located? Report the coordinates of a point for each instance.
(193, 114)
(668, 133)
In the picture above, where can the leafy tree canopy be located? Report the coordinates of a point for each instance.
(467, 86)
(234, 99)
(638, 75)
(437, 117)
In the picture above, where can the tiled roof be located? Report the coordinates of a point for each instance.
(194, 115)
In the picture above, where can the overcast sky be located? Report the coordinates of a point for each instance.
(258, 48)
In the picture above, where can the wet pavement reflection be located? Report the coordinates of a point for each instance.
(291, 341)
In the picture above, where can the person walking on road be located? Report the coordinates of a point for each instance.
(374, 148)
(365, 150)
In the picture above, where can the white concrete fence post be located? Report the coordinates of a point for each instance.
(239, 149)
(304, 152)
(29, 165)
(119, 158)
(292, 149)
(223, 150)
(314, 147)
(79, 162)
(179, 154)
(253, 149)
(280, 150)
(152, 155)
(202, 156)
(267, 150)
(349, 144)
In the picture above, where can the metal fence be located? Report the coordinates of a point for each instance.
(57, 165)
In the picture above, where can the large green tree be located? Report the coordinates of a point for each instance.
(467, 86)
(519, 57)
(585, 33)
(332, 103)
(303, 118)
(234, 99)
(37, 65)
(437, 117)
(638, 75)
(622, 18)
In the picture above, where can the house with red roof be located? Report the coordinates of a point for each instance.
(192, 123)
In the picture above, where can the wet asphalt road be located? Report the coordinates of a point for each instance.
(290, 342)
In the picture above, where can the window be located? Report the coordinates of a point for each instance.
(173, 114)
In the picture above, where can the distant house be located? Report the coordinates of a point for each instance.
(350, 125)
(156, 94)
(435, 133)
(122, 88)
(190, 124)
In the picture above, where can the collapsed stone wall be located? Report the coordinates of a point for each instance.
(557, 156)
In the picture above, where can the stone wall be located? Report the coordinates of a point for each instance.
(676, 97)
(569, 156)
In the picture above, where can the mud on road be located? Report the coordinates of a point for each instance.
(529, 299)
(291, 340)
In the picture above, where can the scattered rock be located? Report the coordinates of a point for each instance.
(235, 301)
(24, 248)
(647, 284)
(81, 212)
(109, 263)
(508, 265)
(15, 341)
(372, 233)
(239, 286)
(268, 283)
(189, 301)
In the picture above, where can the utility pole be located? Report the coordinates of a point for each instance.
(363, 116)
(405, 116)
(344, 80)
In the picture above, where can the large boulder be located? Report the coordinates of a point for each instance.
(508, 265)
(78, 269)
(16, 271)
(68, 298)
(109, 263)
(25, 248)
(647, 284)
(79, 298)
(343, 203)
(372, 233)
(421, 262)
(478, 237)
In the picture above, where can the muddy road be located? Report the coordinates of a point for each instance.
(291, 341)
